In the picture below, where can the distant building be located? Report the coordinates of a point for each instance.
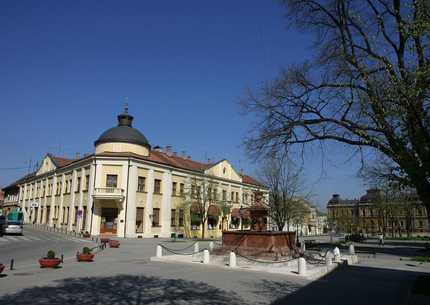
(314, 222)
(368, 215)
(128, 189)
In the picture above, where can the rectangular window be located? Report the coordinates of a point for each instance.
(140, 184)
(155, 217)
(237, 197)
(193, 190)
(181, 189)
(174, 184)
(139, 220)
(78, 186)
(173, 218)
(87, 182)
(224, 195)
(181, 217)
(157, 186)
(111, 180)
(246, 197)
(232, 196)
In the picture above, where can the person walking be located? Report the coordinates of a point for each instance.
(381, 239)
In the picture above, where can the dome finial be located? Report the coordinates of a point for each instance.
(126, 105)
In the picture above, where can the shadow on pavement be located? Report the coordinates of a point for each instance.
(354, 285)
(123, 289)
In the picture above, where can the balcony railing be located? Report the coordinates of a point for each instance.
(109, 193)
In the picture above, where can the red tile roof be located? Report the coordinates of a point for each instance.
(177, 161)
(60, 161)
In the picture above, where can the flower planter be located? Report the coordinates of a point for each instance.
(1, 268)
(113, 243)
(49, 262)
(82, 257)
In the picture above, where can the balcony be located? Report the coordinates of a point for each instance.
(111, 193)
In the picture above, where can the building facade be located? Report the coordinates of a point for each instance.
(128, 189)
(371, 215)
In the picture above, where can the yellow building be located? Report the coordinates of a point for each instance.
(128, 189)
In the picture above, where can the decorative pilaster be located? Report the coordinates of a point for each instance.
(52, 209)
(148, 208)
(81, 200)
(131, 202)
(62, 215)
(166, 204)
(90, 201)
(72, 201)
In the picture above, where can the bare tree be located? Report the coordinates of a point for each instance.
(368, 85)
(285, 185)
(201, 194)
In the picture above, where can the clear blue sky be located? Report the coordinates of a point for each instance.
(67, 66)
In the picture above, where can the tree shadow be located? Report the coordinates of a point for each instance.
(355, 285)
(273, 290)
(123, 289)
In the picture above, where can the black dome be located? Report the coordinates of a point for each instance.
(124, 132)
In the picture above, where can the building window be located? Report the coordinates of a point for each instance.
(87, 182)
(78, 186)
(224, 195)
(111, 180)
(157, 186)
(155, 217)
(193, 190)
(181, 189)
(173, 218)
(174, 184)
(139, 220)
(181, 217)
(246, 198)
(237, 197)
(232, 196)
(140, 184)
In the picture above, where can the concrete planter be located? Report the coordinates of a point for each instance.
(114, 243)
(1, 268)
(49, 262)
(82, 257)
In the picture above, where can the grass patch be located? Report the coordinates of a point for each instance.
(422, 259)
(422, 284)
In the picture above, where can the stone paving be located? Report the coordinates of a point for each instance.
(127, 276)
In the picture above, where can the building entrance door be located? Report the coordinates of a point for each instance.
(109, 220)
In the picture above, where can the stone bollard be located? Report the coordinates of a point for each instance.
(336, 253)
(328, 260)
(211, 246)
(159, 252)
(205, 256)
(303, 246)
(196, 247)
(351, 249)
(232, 260)
(302, 266)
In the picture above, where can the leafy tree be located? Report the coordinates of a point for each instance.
(367, 85)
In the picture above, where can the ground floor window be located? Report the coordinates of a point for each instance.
(195, 221)
(235, 222)
(139, 220)
(155, 217)
(181, 217)
(173, 218)
(212, 222)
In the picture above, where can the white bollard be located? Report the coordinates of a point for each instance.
(351, 249)
(196, 247)
(336, 253)
(328, 260)
(302, 266)
(159, 252)
(232, 260)
(303, 246)
(205, 256)
(211, 246)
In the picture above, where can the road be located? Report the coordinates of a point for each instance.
(35, 243)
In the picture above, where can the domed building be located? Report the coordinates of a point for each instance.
(126, 188)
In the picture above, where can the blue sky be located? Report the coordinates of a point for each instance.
(67, 66)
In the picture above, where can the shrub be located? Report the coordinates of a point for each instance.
(50, 254)
(86, 250)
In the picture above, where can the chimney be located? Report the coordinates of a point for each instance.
(157, 148)
(77, 155)
(168, 149)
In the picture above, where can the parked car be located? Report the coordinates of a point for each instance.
(13, 227)
(2, 224)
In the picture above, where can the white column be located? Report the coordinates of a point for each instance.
(81, 200)
(95, 225)
(23, 204)
(166, 204)
(43, 200)
(131, 202)
(52, 209)
(39, 201)
(72, 201)
(61, 212)
(148, 208)
(90, 197)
